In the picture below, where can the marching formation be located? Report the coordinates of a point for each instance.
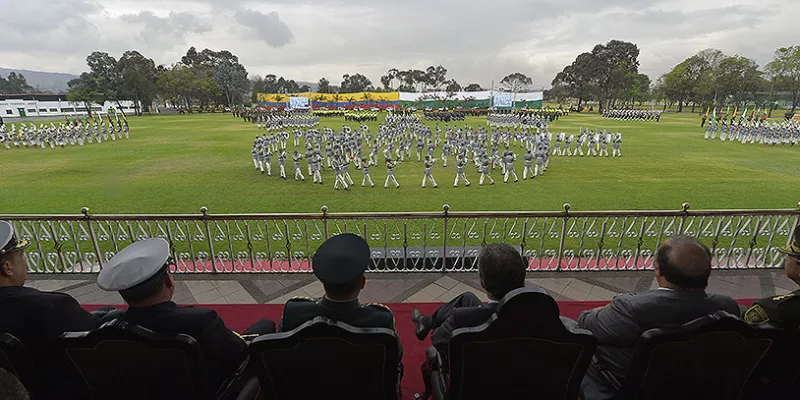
(70, 133)
(755, 131)
(405, 138)
(633, 115)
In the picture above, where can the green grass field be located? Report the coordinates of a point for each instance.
(176, 164)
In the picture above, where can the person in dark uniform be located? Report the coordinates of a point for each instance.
(339, 264)
(501, 269)
(140, 273)
(36, 318)
(781, 311)
(30, 315)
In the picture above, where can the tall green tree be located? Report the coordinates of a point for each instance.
(473, 87)
(85, 90)
(516, 82)
(231, 80)
(355, 83)
(785, 70)
(323, 86)
(14, 84)
(138, 79)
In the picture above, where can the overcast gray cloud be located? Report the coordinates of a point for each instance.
(267, 27)
(476, 41)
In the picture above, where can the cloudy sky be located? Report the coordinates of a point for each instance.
(477, 41)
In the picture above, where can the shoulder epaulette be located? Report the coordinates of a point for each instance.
(378, 305)
(304, 298)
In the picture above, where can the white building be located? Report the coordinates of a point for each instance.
(38, 105)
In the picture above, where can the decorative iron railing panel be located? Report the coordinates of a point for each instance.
(407, 242)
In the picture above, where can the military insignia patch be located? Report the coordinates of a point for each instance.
(756, 315)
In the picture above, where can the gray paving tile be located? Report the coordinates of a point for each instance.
(580, 285)
(434, 291)
(781, 281)
(553, 284)
(209, 297)
(574, 293)
(229, 287)
(240, 297)
(199, 287)
(268, 286)
(446, 282)
(83, 290)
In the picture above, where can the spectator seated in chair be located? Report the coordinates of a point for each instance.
(501, 269)
(140, 273)
(682, 268)
(781, 311)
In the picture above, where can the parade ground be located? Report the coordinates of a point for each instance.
(178, 163)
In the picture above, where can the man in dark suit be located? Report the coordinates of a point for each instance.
(682, 268)
(140, 273)
(339, 263)
(782, 311)
(501, 269)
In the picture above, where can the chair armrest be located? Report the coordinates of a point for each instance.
(250, 391)
(608, 376)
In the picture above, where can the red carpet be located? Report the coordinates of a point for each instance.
(239, 317)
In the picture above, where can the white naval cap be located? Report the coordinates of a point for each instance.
(133, 265)
(8, 239)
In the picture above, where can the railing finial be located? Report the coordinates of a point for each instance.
(446, 208)
(324, 209)
(567, 206)
(686, 206)
(85, 211)
(204, 211)
(798, 204)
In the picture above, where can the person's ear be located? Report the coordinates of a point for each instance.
(5, 268)
(169, 281)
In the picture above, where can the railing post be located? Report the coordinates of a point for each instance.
(563, 234)
(446, 209)
(685, 207)
(204, 211)
(95, 245)
(325, 220)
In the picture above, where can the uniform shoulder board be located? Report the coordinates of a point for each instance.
(784, 297)
(304, 298)
(378, 305)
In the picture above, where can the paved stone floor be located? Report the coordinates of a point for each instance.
(411, 287)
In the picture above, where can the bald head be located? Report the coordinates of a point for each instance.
(684, 262)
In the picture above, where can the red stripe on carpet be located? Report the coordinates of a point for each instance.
(240, 316)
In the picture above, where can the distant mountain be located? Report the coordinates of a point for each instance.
(312, 85)
(55, 82)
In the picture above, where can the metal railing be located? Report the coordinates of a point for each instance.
(407, 242)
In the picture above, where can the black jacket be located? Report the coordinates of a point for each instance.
(34, 317)
(617, 328)
(223, 350)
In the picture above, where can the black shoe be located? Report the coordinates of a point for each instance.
(421, 329)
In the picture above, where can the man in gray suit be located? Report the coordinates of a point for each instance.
(682, 268)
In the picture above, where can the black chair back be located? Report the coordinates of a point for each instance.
(15, 359)
(125, 361)
(712, 357)
(327, 359)
(778, 375)
(524, 351)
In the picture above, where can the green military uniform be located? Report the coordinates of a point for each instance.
(303, 309)
(339, 260)
(781, 311)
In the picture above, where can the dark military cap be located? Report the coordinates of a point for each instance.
(8, 239)
(341, 259)
(793, 249)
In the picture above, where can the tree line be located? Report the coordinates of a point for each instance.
(609, 74)
(15, 83)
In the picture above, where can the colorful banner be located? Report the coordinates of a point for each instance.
(482, 99)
